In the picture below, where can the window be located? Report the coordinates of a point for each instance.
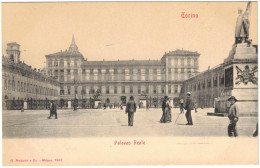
(115, 89)
(68, 63)
(146, 89)
(215, 83)
(182, 62)
(75, 63)
(68, 90)
(131, 89)
(195, 62)
(154, 89)
(123, 75)
(61, 63)
(169, 89)
(76, 89)
(155, 74)
(49, 63)
(162, 89)
(107, 89)
(188, 60)
(176, 62)
(222, 80)
(175, 88)
(131, 74)
(123, 89)
(169, 73)
(139, 89)
(115, 74)
(55, 63)
(139, 74)
(147, 74)
(209, 83)
(61, 90)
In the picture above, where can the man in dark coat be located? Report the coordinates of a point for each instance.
(188, 107)
(53, 110)
(233, 115)
(130, 109)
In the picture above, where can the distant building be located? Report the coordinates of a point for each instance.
(205, 87)
(146, 80)
(22, 83)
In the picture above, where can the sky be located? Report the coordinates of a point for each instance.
(123, 30)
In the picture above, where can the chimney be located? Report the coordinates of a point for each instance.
(208, 67)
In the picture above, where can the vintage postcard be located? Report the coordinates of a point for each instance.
(129, 83)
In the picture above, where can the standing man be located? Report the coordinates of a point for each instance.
(53, 110)
(130, 109)
(188, 107)
(233, 115)
(181, 105)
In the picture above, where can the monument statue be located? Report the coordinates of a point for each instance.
(241, 31)
(242, 26)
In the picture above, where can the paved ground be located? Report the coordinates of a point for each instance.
(113, 122)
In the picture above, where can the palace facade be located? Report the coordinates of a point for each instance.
(147, 80)
(21, 83)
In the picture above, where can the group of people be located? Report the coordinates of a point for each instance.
(166, 109)
(233, 113)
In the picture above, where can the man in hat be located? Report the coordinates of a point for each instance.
(233, 115)
(130, 109)
(53, 110)
(188, 107)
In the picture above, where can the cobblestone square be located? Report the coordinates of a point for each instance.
(113, 122)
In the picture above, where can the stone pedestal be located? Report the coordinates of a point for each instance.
(241, 81)
(25, 107)
(69, 104)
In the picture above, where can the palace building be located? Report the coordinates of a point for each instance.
(21, 83)
(115, 81)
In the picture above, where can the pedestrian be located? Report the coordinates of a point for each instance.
(121, 106)
(130, 109)
(195, 107)
(166, 108)
(53, 110)
(181, 106)
(188, 107)
(233, 116)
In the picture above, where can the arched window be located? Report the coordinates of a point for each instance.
(12, 57)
